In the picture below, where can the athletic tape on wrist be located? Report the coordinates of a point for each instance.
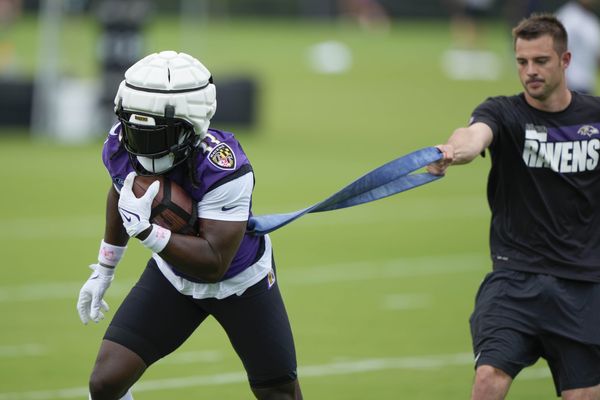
(109, 254)
(157, 239)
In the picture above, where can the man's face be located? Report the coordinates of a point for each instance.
(541, 69)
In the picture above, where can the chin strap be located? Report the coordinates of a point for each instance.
(389, 179)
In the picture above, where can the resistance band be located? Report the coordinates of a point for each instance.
(389, 179)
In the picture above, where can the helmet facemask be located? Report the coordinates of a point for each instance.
(155, 144)
(164, 104)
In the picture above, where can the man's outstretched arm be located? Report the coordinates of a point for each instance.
(462, 147)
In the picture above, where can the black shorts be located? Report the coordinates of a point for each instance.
(520, 317)
(155, 319)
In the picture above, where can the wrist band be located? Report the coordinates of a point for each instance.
(102, 271)
(157, 239)
(109, 254)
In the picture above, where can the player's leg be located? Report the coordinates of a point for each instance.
(285, 391)
(571, 342)
(258, 327)
(500, 356)
(575, 367)
(503, 343)
(117, 369)
(577, 377)
(590, 393)
(153, 321)
(490, 383)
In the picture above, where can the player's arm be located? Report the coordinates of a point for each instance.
(91, 304)
(114, 232)
(208, 256)
(464, 145)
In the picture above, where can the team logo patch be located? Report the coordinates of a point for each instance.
(271, 278)
(222, 157)
(587, 130)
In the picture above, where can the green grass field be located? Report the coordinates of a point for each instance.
(379, 295)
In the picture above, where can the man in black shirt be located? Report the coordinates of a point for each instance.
(543, 297)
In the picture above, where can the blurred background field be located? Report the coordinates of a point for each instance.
(379, 295)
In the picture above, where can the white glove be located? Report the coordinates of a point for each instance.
(91, 304)
(135, 212)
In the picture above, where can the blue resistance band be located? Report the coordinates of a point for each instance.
(389, 179)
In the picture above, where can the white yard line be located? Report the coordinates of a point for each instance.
(22, 350)
(193, 357)
(430, 362)
(51, 291)
(299, 276)
(52, 227)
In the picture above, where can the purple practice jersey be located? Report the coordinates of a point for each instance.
(220, 159)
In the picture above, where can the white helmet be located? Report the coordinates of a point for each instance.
(164, 104)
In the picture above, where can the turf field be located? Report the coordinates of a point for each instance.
(379, 295)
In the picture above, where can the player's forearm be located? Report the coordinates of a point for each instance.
(466, 146)
(114, 232)
(196, 257)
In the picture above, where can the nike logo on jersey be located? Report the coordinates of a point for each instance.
(128, 215)
(225, 208)
(564, 149)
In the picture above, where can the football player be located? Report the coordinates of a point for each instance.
(164, 106)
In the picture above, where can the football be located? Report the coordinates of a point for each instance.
(172, 208)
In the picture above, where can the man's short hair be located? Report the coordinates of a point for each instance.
(538, 25)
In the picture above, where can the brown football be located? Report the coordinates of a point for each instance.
(172, 208)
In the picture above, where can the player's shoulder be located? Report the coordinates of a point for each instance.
(584, 107)
(585, 99)
(112, 144)
(219, 158)
(505, 100)
(221, 151)
(215, 137)
(500, 105)
(114, 156)
(114, 136)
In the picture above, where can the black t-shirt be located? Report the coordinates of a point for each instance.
(544, 186)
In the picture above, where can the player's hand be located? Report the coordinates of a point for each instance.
(439, 167)
(91, 304)
(135, 212)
